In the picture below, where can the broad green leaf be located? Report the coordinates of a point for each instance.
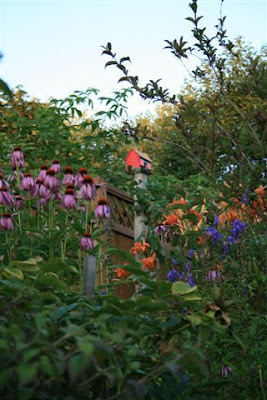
(125, 255)
(15, 272)
(182, 288)
(49, 282)
(26, 373)
(191, 297)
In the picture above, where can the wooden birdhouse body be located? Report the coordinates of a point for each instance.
(138, 160)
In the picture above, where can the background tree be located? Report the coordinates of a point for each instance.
(217, 125)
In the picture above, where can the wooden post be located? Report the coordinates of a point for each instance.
(89, 274)
(140, 227)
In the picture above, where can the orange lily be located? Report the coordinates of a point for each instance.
(140, 247)
(122, 273)
(260, 191)
(201, 240)
(171, 219)
(149, 262)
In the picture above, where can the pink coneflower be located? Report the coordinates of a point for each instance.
(27, 183)
(225, 371)
(86, 243)
(17, 159)
(42, 202)
(35, 190)
(212, 275)
(2, 181)
(56, 166)
(5, 196)
(51, 181)
(79, 178)
(42, 173)
(72, 186)
(6, 223)
(43, 191)
(81, 208)
(102, 209)
(69, 200)
(18, 201)
(57, 195)
(88, 188)
(13, 177)
(68, 176)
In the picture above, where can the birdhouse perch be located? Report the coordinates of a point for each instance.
(137, 160)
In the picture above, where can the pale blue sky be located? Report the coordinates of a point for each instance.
(53, 47)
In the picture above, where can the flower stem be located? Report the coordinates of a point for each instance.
(99, 266)
(63, 255)
(8, 249)
(86, 214)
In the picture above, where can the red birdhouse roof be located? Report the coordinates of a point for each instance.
(140, 154)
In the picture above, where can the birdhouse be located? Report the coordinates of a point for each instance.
(138, 160)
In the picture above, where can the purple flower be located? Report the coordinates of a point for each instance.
(51, 181)
(212, 275)
(190, 279)
(102, 209)
(69, 201)
(225, 248)
(35, 190)
(79, 177)
(245, 198)
(2, 181)
(5, 196)
(56, 195)
(216, 220)
(160, 229)
(225, 371)
(213, 234)
(6, 223)
(68, 176)
(43, 191)
(88, 188)
(18, 201)
(230, 239)
(13, 177)
(173, 275)
(191, 253)
(27, 183)
(17, 159)
(238, 228)
(188, 267)
(42, 173)
(86, 243)
(56, 166)
(174, 262)
(42, 202)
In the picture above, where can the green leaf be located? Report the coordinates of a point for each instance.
(15, 272)
(125, 255)
(182, 288)
(76, 366)
(30, 354)
(5, 89)
(46, 366)
(26, 373)
(50, 282)
(64, 310)
(56, 265)
(191, 297)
